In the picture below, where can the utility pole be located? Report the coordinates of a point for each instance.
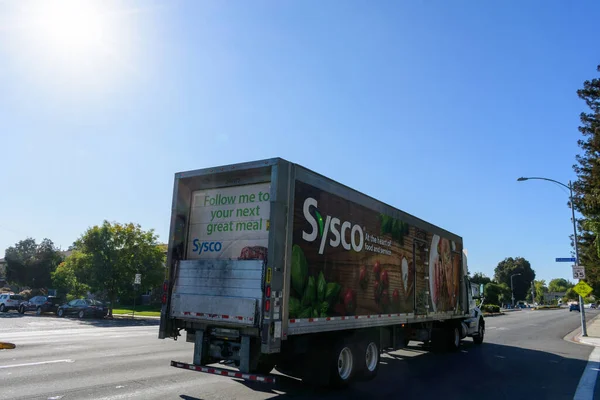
(575, 240)
(532, 293)
(512, 292)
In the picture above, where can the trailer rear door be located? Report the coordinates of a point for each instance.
(221, 276)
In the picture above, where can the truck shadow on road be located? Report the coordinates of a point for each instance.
(488, 371)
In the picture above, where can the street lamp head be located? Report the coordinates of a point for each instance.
(521, 179)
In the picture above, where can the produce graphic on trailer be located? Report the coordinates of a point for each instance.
(356, 261)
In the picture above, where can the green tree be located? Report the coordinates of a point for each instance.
(539, 287)
(511, 266)
(559, 285)
(67, 278)
(113, 253)
(479, 278)
(587, 185)
(497, 294)
(571, 295)
(31, 264)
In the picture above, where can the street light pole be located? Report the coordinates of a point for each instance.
(512, 292)
(570, 187)
(581, 305)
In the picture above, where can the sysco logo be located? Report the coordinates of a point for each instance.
(339, 230)
(203, 247)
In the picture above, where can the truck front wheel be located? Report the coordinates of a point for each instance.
(478, 339)
(453, 338)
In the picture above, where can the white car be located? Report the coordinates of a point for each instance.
(10, 301)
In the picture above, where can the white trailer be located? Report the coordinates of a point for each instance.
(271, 265)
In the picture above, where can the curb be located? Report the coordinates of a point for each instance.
(7, 346)
(575, 335)
(128, 316)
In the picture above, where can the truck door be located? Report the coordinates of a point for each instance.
(421, 271)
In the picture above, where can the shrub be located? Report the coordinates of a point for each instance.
(491, 308)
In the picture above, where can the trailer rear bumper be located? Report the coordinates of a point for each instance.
(224, 372)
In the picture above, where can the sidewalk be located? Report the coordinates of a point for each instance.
(593, 331)
(587, 384)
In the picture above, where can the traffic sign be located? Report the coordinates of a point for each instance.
(138, 279)
(583, 289)
(569, 259)
(578, 272)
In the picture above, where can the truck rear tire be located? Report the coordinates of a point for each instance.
(368, 356)
(342, 364)
(264, 367)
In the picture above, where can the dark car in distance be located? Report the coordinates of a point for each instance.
(40, 304)
(83, 308)
(574, 307)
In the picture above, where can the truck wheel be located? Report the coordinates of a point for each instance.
(264, 368)
(265, 365)
(341, 365)
(453, 333)
(478, 339)
(368, 359)
(2, 308)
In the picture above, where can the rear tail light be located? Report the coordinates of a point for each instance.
(165, 291)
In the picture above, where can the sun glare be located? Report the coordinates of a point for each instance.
(74, 44)
(72, 26)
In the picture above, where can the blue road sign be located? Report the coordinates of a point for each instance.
(570, 259)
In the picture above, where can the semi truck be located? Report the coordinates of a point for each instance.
(273, 266)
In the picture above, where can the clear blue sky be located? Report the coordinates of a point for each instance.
(435, 107)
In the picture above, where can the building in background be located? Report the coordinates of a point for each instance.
(554, 296)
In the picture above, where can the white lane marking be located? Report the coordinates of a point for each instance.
(36, 363)
(587, 383)
(55, 397)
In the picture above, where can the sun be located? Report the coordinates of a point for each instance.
(74, 45)
(73, 26)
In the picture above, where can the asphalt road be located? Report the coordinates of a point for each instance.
(524, 356)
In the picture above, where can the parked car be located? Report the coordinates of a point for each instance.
(40, 304)
(83, 308)
(10, 301)
(574, 307)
